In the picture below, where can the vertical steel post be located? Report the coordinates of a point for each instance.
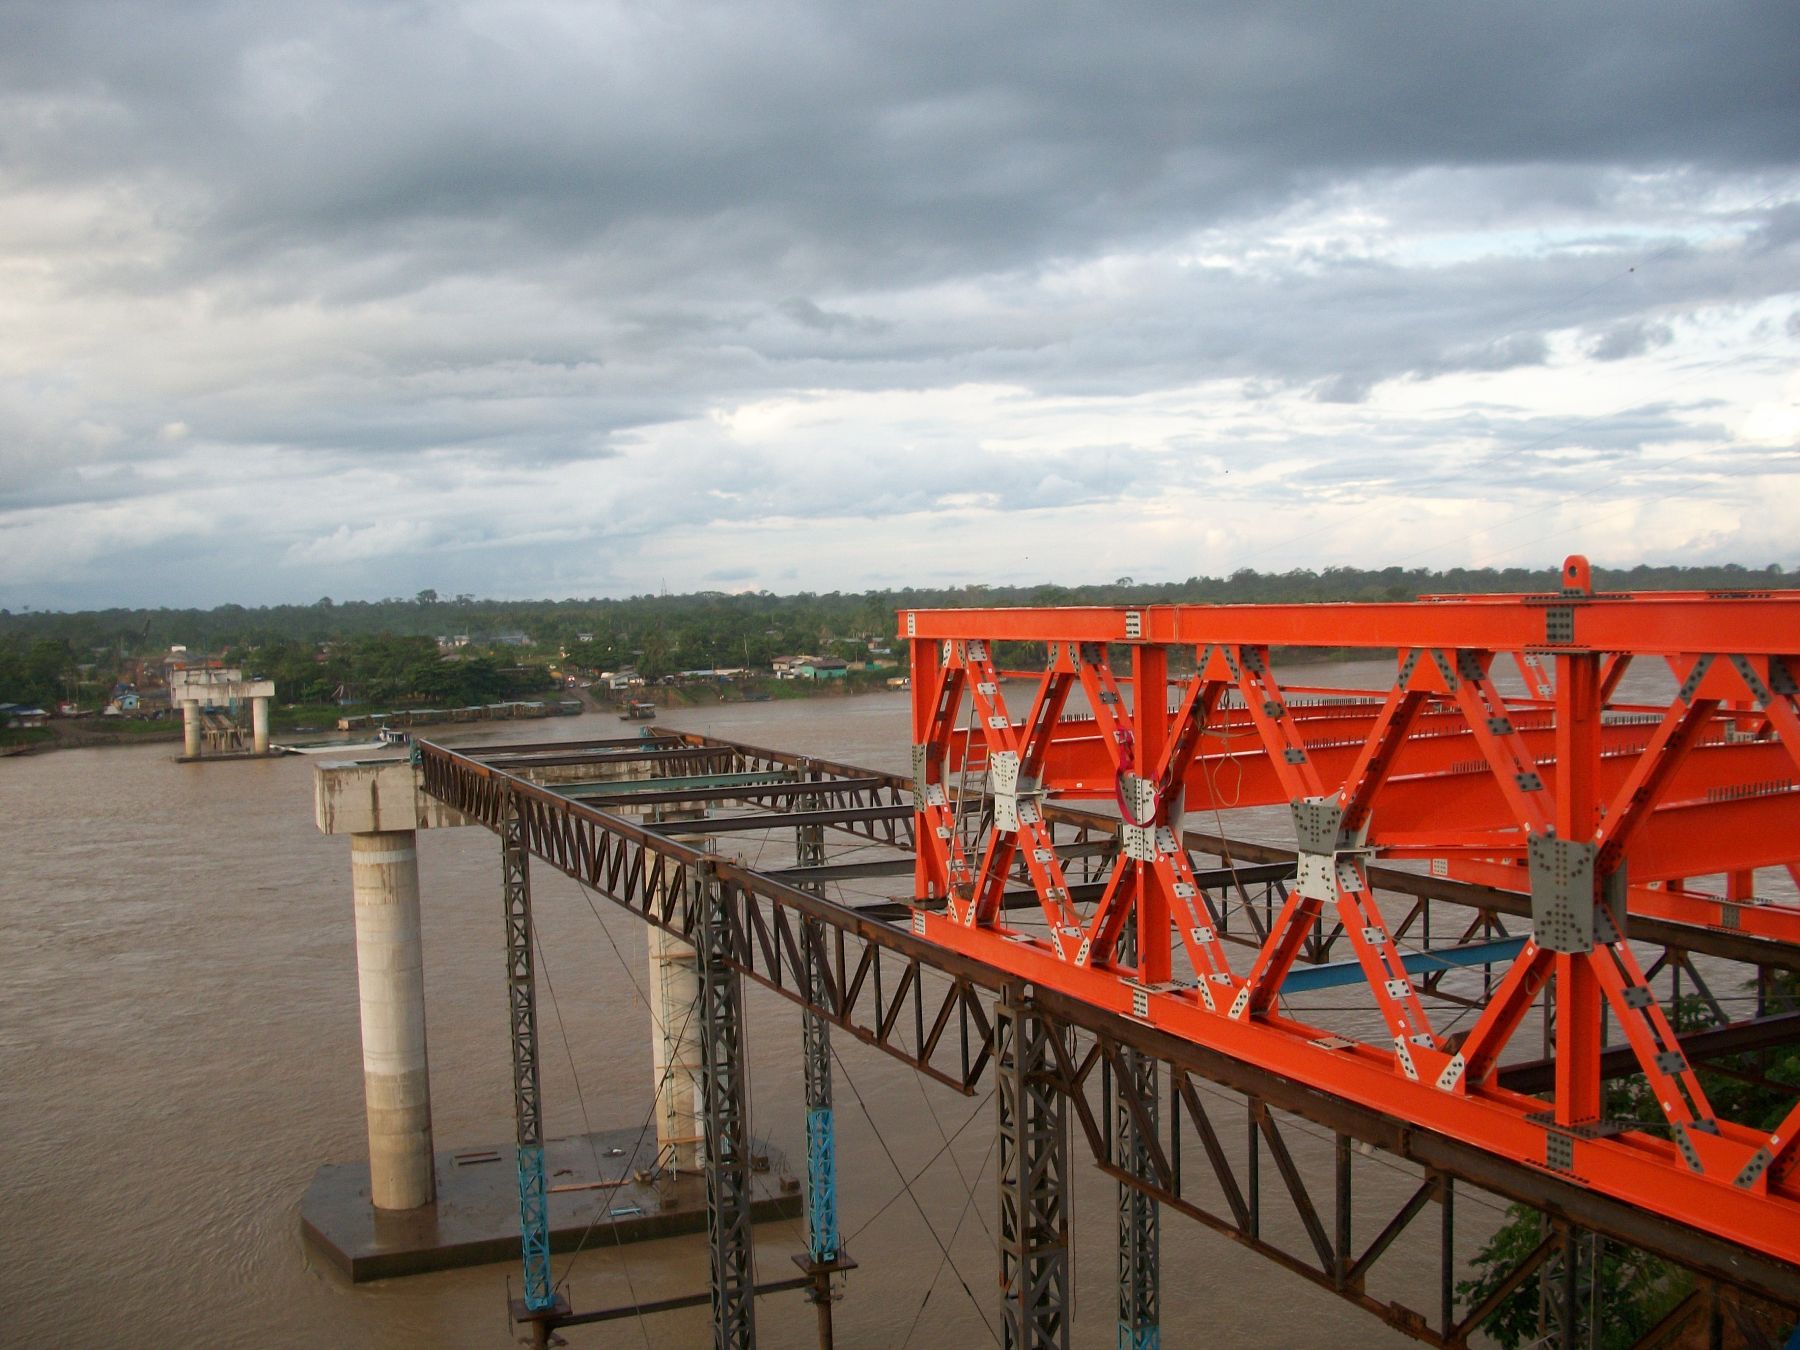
(1447, 1254)
(1034, 1222)
(822, 1246)
(1140, 1299)
(1342, 1256)
(1140, 1226)
(1577, 992)
(725, 1105)
(1150, 732)
(521, 997)
(1568, 1314)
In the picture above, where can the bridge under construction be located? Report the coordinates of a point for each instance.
(1050, 906)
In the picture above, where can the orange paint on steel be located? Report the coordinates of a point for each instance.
(1440, 765)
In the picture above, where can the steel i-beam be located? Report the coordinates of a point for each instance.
(725, 1105)
(1033, 1170)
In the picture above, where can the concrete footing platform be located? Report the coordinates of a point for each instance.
(229, 757)
(476, 1217)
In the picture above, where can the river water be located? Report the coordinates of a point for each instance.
(179, 1050)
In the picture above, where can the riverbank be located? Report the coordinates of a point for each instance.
(83, 733)
(86, 733)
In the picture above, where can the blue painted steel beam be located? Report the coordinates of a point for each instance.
(1335, 974)
(821, 1187)
(534, 1229)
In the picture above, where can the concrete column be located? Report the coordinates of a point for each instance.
(390, 970)
(190, 727)
(675, 1048)
(259, 725)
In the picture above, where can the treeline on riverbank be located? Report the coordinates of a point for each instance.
(712, 628)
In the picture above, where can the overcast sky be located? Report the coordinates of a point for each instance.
(546, 299)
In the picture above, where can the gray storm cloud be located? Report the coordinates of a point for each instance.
(500, 296)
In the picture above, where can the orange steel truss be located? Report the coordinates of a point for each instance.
(1596, 810)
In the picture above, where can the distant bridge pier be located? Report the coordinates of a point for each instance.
(190, 728)
(212, 735)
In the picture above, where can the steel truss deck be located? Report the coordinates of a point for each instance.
(932, 1006)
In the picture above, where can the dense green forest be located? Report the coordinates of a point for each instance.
(38, 649)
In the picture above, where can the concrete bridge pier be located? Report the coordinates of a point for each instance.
(190, 727)
(209, 685)
(379, 806)
(390, 974)
(675, 1049)
(675, 1031)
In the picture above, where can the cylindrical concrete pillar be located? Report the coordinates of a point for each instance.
(675, 1048)
(259, 725)
(190, 727)
(390, 971)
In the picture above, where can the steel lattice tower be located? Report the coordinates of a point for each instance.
(1033, 1167)
(725, 1105)
(521, 994)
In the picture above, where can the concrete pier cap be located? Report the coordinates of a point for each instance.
(362, 796)
(379, 804)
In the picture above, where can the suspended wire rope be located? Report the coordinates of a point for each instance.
(907, 1188)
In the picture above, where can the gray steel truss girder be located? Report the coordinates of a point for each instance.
(726, 1108)
(1033, 1175)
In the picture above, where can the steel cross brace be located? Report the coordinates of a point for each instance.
(1014, 764)
(941, 869)
(1572, 838)
(1153, 879)
(1333, 866)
